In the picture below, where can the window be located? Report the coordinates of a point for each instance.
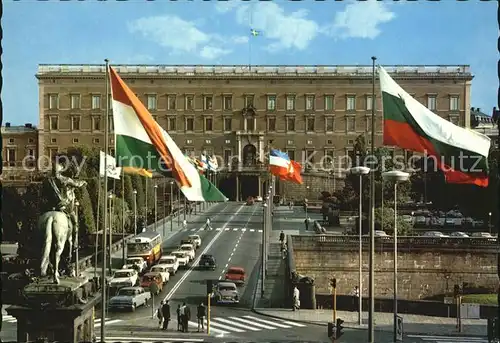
(228, 102)
(11, 140)
(329, 141)
(53, 101)
(227, 141)
(290, 124)
(96, 101)
(454, 103)
(431, 102)
(309, 102)
(171, 102)
(368, 123)
(249, 100)
(75, 140)
(290, 102)
(350, 124)
(172, 124)
(31, 140)
(96, 123)
(75, 101)
(11, 156)
(289, 142)
(351, 103)
(53, 140)
(189, 124)
(310, 124)
(227, 156)
(189, 102)
(228, 123)
(329, 124)
(309, 141)
(328, 102)
(291, 154)
(207, 141)
(329, 159)
(249, 124)
(271, 124)
(30, 153)
(152, 102)
(189, 141)
(96, 140)
(208, 102)
(455, 120)
(208, 124)
(54, 123)
(369, 102)
(271, 102)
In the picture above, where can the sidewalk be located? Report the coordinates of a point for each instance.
(412, 324)
(192, 220)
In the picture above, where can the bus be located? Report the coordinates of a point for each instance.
(147, 245)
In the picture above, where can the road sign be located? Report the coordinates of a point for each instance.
(399, 328)
(153, 288)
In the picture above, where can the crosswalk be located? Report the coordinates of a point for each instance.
(228, 325)
(225, 229)
(163, 339)
(7, 318)
(449, 339)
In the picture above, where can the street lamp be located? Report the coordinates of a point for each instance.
(360, 171)
(489, 221)
(263, 273)
(135, 211)
(395, 176)
(110, 197)
(77, 269)
(156, 207)
(178, 206)
(171, 204)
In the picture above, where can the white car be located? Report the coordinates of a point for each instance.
(182, 258)
(138, 261)
(258, 198)
(189, 249)
(459, 234)
(437, 234)
(171, 262)
(380, 233)
(124, 278)
(163, 270)
(196, 239)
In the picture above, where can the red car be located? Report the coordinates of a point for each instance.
(236, 275)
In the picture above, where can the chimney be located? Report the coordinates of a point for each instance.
(478, 109)
(7, 124)
(472, 109)
(28, 125)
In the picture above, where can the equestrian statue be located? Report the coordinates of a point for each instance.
(59, 226)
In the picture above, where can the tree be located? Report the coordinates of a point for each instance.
(116, 219)
(137, 184)
(384, 220)
(129, 196)
(12, 212)
(86, 218)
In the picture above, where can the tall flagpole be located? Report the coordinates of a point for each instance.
(371, 279)
(106, 149)
(97, 222)
(123, 216)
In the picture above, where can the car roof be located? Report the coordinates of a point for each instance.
(206, 256)
(125, 270)
(236, 268)
(130, 288)
(225, 283)
(193, 235)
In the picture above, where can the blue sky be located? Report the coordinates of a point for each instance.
(196, 32)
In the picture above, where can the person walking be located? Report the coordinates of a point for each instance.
(159, 314)
(207, 224)
(183, 317)
(201, 313)
(179, 318)
(184, 224)
(187, 317)
(296, 298)
(165, 309)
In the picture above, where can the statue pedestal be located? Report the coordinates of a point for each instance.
(57, 312)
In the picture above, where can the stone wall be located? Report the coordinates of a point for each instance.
(421, 274)
(317, 183)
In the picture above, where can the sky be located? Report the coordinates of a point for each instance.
(195, 32)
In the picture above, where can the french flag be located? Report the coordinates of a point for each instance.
(286, 169)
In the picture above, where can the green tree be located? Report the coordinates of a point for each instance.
(116, 218)
(129, 196)
(384, 220)
(86, 216)
(137, 184)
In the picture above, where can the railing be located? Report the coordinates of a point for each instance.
(347, 242)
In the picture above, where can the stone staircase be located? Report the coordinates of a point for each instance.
(274, 284)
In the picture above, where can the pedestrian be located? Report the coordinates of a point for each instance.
(179, 318)
(201, 313)
(187, 317)
(183, 317)
(184, 224)
(207, 224)
(282, 237)
(159, 314)
(307, 223)
(296, 298)
(165, 309)
(355, 298)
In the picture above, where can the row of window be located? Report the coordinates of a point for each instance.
(227, 102)
(30, 140)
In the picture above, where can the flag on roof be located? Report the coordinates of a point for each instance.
(461, 154)
(140, 140)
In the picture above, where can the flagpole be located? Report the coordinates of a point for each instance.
(123, 216)
(371, 279)
(97, 222)
(111, 222)
(106, 148)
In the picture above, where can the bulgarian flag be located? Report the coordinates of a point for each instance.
(460, 153)
(141, 143)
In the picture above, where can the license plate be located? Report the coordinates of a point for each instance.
(207, 264)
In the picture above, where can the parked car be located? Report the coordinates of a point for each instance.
(235, 274)
(483, 235)
(139, 262)
(124, 278)
(163, 270)
(171, 262)
(459, 234)
(152, 277)
(226, 293)
(196, 239)
(207, 262)
(258, 198)
(189, 249)
(381, 233)
(129, 298)
(436, 234)
(182, 258)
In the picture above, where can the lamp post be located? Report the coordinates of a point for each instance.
(110, 197)
(156, 206)
(135, 211)
(360, 171)
(77, 269)
(171, 204)
(263, 272)
(305, 200)
(178, 206)
(395, 176)
(489, 221)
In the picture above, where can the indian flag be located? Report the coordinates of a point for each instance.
(141, 143)
(461, 154)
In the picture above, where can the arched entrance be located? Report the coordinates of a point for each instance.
(249, 155)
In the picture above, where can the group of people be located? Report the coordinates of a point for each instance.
(183, 316)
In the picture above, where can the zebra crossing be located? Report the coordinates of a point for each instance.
(163, 339)
(225, 229)
(7, 318)
(449, 339)
(228, 325)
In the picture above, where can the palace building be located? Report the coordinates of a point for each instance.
(314, 113)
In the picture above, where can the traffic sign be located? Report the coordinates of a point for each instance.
(399, 328)
(153, 288)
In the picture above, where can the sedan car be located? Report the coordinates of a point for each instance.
(189, 249)
(226, 293)
(171, 262)
(182, 258)
(196, 239)
(207, 262)
(150, 278)
(436, 234)
(459, 234)
(129, 298)
(163, 270)
(235, 274)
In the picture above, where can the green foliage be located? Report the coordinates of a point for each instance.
(116, 218)
(129, 196)
(86, 216)
(384, 220)
(137, 184)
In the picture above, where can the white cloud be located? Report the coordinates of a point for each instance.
(212, 52)
(239, 39)
(360, 20)
(286, 31)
